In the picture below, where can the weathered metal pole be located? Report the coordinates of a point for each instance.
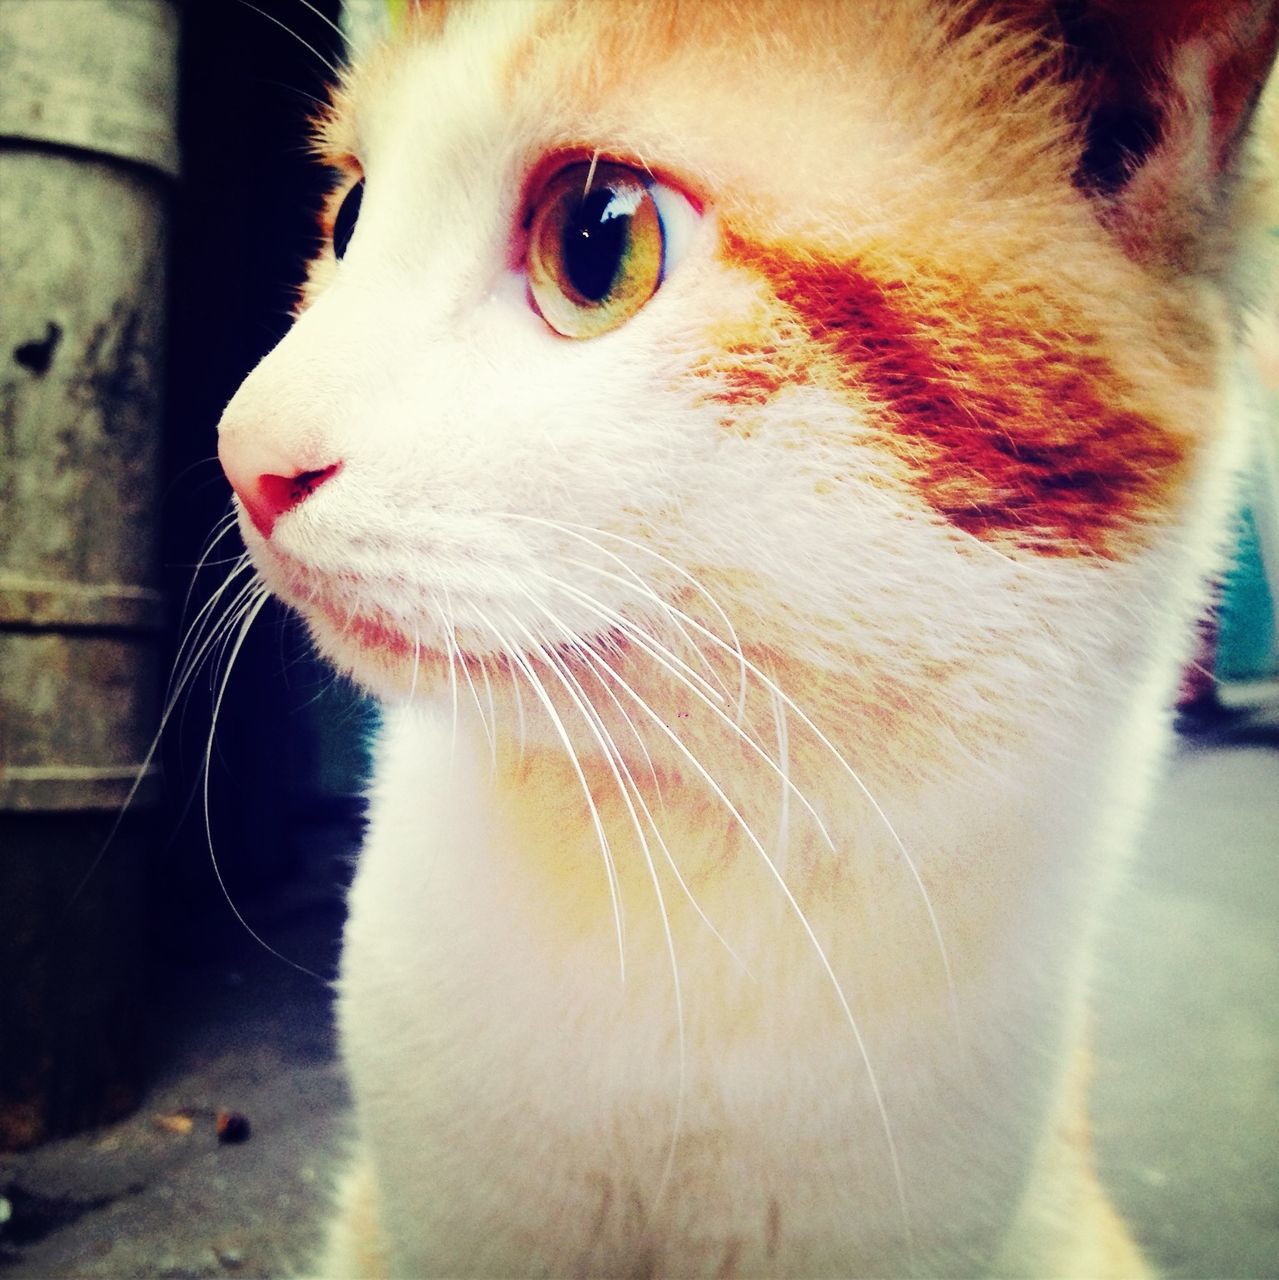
(88, 98)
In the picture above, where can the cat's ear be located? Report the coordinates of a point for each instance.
(1167, 90)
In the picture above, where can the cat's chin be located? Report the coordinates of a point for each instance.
(391, 665)
(377, 655)
(359, 633)
(391, 670)
(368, 645)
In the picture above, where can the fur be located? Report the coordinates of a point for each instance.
(774, 682)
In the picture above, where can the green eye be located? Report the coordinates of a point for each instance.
(596, 249)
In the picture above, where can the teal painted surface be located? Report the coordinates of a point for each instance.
(1246, 641)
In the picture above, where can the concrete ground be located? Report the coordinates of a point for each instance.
(1186, 1100)
(158, 1195)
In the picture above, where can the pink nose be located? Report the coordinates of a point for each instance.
(268, 483)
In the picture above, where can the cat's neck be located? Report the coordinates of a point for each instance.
(625, 865)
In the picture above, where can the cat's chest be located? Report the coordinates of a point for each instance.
(724, 1085)
(501, 917)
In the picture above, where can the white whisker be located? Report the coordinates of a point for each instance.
(646, 642)
(417, 661)
(173, 695)
(750, 668)
(450, 651)
(190, 641)
(249, 616)
(335, 71)
(581, 532)
(621, 620)
(614, 889)
(519, 710)
(622, 777)
(221, 528)
(595, 661)
(783, 764)
(810, 933)
(869, 797)
(489, 730)
(488, 689)
(324, 18)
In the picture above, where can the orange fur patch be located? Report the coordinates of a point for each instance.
(1010, 429)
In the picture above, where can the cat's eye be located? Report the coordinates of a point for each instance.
(347, 216)
(601, 238)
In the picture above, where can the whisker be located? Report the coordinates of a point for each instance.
(490, 731)
(585, 652)
(539, 691)
(196, 643)
(620, 620)
(651, 646)
(446, 634)
(306, 44)
(685, 576)
(219, 531)
(747, 667)
(488, 689)
(324, 18)
(621, 776)
(590, 173)
(221, 640)
(581, 533)
(250, 615)
(783, 762)
(594, 660)
(809, 932)
(172, 696)
(417, 661)
(249, 601)
(869, 797)
(292, 88)
(519, 710)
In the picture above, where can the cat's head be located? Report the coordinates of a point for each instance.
(826, 333)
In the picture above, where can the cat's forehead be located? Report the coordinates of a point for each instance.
(441, 70)
(868, 100)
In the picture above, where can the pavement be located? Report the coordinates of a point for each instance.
(1185, 1102)
(241, 1036)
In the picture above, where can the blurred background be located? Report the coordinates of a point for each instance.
(157, 205)
(170, 907)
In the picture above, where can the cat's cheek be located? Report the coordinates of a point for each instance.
(320, 274)
(508, 307)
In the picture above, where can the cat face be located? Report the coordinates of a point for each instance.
(658, 336)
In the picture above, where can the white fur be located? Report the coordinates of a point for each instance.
(565, 1069)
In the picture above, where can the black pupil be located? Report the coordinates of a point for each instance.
(594, 243)
(348, 216)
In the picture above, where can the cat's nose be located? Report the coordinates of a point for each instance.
(267, 482)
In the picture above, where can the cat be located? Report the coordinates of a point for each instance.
(767, 458)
